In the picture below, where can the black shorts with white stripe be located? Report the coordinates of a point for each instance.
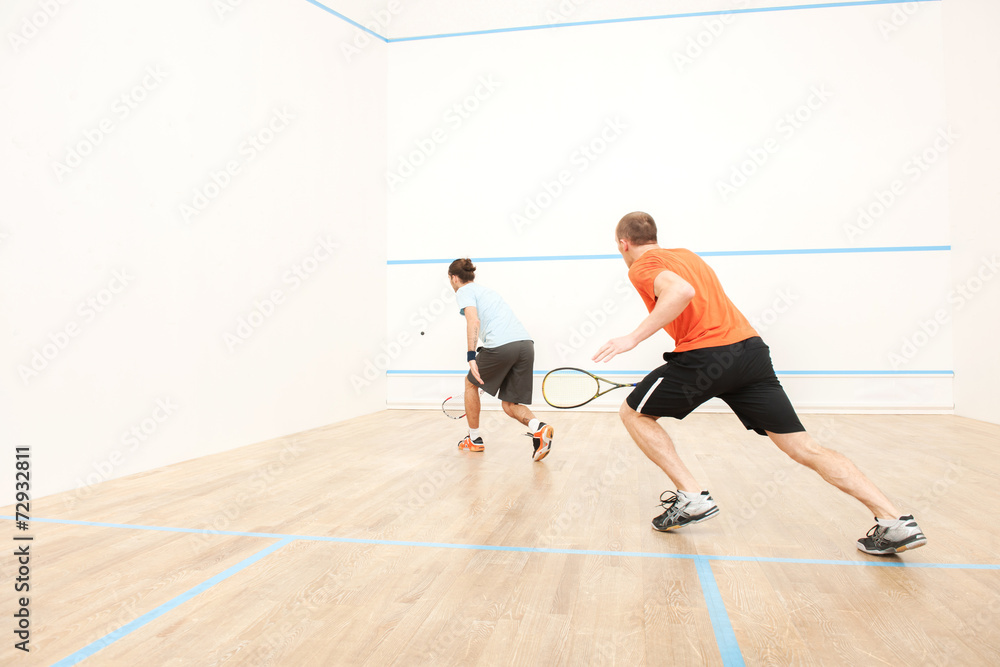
(740, 374)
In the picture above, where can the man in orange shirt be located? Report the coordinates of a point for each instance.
(718, 354)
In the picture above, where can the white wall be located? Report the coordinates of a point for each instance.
(973, 68)
(482, 128)
(152, 355)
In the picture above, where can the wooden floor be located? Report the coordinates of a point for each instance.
(376, 542)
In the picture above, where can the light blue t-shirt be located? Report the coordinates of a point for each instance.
(497, 323)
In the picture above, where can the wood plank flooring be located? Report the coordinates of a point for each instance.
(405, 551)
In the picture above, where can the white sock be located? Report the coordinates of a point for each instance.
(887, 523)
(686, 495)
(473, 433)
(533, 425)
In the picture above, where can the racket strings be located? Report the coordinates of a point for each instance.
(569, 389)
(454, 407)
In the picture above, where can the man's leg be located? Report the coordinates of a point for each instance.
(658, 448)
(892, 532)
(472, 442)
(690, 504)
(518, 411)
(540, 432)
(836, 469)
(472, 404)
(515, 395)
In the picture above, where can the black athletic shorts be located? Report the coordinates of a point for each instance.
(740, 374)
(507, 369)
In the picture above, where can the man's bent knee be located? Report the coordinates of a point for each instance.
(626, 413)
(799, 446)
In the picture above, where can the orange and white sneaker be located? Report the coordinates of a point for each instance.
(542, 441)
(472, 445)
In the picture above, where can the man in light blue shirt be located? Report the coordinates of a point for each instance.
(504, 366)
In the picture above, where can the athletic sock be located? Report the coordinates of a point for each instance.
(534, 425)
(686, 495)
(473, 433)
(888, 523)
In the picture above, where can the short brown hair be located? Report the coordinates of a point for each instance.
(464, 269)
(637, 228)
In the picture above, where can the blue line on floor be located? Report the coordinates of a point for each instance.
(541, 550)
(150, 616)
(729, 648)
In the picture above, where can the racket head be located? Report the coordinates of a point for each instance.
(454, 407)
(566, 388)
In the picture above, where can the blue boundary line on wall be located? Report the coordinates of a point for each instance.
(355, 23)
(709, 253)
(152, 615)
(634, 19)
(718, 12)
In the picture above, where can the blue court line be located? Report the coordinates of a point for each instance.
(719, 12)
(352, 22)
(723, 629)
(710, 253)
(150, 616)
(541, 550)
(431, 371)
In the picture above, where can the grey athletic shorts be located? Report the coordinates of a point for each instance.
(508, 370)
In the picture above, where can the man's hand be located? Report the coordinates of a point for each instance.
(474, 369)
(613, 347)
